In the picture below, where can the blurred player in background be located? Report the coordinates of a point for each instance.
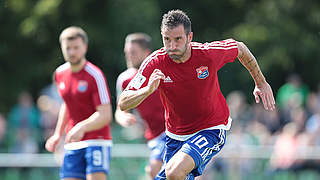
(85, 114)
(196, 112)
(137, 48)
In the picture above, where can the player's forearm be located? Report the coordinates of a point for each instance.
(250, 63)
(62, 120)
(98, 120)
(130, 99)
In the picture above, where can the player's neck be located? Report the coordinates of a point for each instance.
(78, 67)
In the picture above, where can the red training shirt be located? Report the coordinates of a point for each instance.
(82, 92)
(190, 92)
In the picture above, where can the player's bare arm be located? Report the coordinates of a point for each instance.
(124, 118)
(130, 99)
(60, 127)
(99, 119)
(262, 88)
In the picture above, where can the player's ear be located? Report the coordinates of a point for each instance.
(190, 36)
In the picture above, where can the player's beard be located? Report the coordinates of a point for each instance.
(75, 63)
(177, 57)
(137, 65)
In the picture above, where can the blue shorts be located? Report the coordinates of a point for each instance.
(78, 163)
(157, 147)
(201, 147)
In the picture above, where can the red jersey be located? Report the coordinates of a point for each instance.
(190, 92)
(82, 92)
(150, 110)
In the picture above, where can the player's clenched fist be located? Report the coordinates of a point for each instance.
(52, 143)
(154, 79)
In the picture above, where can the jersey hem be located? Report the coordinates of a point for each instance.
(87, 143)
(187, 136)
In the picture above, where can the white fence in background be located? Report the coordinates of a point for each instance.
(142, 151)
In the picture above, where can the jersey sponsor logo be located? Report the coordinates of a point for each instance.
(202, 72)
(62, 85)
(82, 86)
(167, 80)
(137, 81)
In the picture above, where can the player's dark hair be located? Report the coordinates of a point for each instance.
(142, 39)
(174, 18)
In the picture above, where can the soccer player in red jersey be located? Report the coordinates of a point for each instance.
(196, 113)
(85, 114)
(137, 48)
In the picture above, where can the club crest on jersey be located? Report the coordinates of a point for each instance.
(82, 86)
(202, 72)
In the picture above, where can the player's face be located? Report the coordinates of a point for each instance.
(74, 50)
(176, 41)
(135, 54)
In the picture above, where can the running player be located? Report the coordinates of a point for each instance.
(196, 113)
(137, 48)
(86, 112)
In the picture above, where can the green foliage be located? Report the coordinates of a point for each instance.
(282, 34)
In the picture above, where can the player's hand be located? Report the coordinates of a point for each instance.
(52, 143)
(127, 119)
(154, 80)
(75, 134)
(264, 92)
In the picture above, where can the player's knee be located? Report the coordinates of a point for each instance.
(96, 176)
(153, 168)
(153, 173)
(148, 170)
(174, 174)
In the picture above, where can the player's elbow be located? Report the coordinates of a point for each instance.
(105, 114)
(122, 106)
(104, 119)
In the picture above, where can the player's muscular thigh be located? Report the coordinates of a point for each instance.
(179, 166)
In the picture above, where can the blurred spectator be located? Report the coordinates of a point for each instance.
(3, 126)
(49, 103)
(291, 96)
(313, 124)
(293, 88)
(285, 148)
(51, 90)
(240, 111)
(271, 120)
(23, 121)
(299, 117)
(312, 103)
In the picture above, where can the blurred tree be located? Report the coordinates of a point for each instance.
(283, 34)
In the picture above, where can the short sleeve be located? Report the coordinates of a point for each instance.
(100, 90)
(223, 52)
(141, 79)
(57, 81)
